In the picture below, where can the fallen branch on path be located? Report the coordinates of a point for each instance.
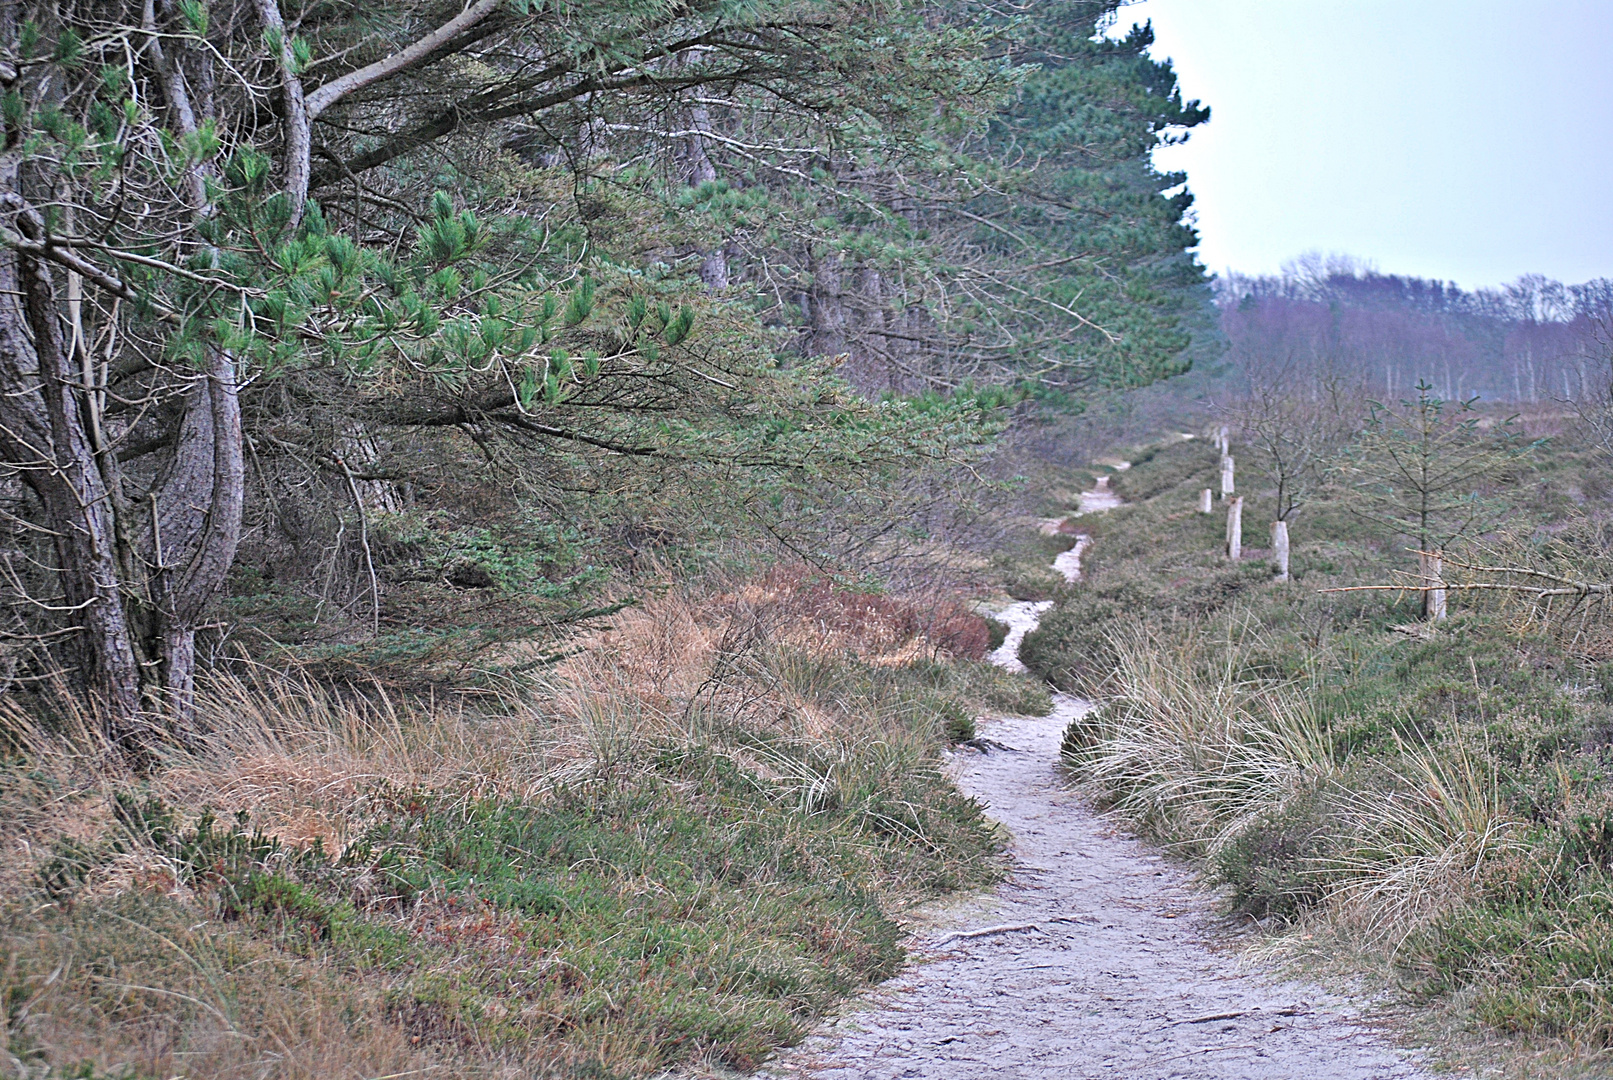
(1205, 1050)
(984, 745)
(988, 931)
(1216, 1016)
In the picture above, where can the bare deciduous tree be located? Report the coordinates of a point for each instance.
(1294, 418)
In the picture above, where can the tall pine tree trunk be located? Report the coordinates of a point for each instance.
(827, 336)
(713, 263)
(45, 437)
(136, 571)
(197, 524)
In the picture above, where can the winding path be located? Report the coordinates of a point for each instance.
(1096, 958)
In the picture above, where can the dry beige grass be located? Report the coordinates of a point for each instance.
(1420, 850)
(1198, 754)
(298, 755)
(1188, 746)
(308, 763)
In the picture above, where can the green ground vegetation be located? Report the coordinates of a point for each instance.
(678, 851)
(1439, 795)
(399, 677)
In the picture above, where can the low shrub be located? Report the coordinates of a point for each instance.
(1273, 864)
(1536, 965)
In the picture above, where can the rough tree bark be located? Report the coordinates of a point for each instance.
(876, 341)
(197, 503)
(45, 436)
(828, 314)
(136, 573)
(714, 263)
(297, 125)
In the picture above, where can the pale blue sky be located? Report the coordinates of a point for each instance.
(1467, 140)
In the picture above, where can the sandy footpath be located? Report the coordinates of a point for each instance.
(1095, 959)
(1106, 972)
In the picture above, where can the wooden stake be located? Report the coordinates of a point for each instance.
(1235, 529)
(1279, 548)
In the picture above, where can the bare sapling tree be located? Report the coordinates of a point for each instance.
(1294, 420)
(1424, 469)
(1560, 582)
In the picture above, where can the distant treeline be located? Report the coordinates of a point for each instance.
(1531, 341)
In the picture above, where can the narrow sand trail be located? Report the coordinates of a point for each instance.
(1095, 959)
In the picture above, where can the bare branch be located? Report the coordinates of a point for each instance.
(398, 62)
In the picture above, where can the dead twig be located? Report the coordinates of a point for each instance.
(988, 931)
